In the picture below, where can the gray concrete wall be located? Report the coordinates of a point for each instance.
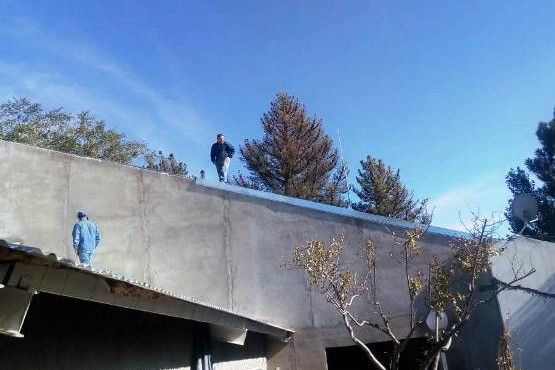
(476, 346)
(219, 244)
(530, 318)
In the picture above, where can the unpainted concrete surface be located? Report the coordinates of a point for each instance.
(221, 245)
(529, 317)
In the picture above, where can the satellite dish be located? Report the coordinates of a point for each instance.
(524, 207)
(436, 321)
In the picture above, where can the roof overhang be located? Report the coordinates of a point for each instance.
(27, 269)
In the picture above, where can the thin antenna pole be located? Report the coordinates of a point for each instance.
(340, 145)
(343, 163)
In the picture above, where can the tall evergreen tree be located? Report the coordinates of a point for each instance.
(382, 193)
(542, 165)
(295, 157)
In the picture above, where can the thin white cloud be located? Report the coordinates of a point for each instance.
(176, 113)
(482, 196)
(475, 190)
(52, 89)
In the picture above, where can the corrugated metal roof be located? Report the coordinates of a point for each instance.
(121, 285)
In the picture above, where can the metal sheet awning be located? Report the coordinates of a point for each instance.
(29, 269)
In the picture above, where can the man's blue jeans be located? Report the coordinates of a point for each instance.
(85, 257)
(222, 167)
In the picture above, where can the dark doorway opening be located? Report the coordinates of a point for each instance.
(354, 358)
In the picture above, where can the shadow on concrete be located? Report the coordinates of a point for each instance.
(532, 329)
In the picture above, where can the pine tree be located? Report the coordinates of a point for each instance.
(542, 165)
(295, 157)
(382, 193)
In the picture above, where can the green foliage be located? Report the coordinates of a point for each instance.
(26, 122)
(382, 193)
(505, 356)
(334, 193)
(324, 268)
(295, 157)
(159, 162)
(29, 123)
(542, 165)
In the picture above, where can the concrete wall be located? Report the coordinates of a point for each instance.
(476, 346)
(530, 318)
(220, 244)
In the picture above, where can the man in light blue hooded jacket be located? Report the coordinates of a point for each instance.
(86, 238)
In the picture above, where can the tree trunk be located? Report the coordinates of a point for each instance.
(435, 362)
(396, 358)
(361, 344)
(431, 363)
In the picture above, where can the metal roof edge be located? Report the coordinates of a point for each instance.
(326, 208)
(307, 204)
(267, 327)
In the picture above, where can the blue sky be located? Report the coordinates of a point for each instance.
(449, 92)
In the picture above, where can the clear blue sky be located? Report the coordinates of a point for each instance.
(449, 92)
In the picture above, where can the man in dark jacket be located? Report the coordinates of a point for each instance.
(221, 154)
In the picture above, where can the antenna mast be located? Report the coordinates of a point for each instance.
(343, 163)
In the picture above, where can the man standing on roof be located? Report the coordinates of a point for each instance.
(221, 154)
(86, 238)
